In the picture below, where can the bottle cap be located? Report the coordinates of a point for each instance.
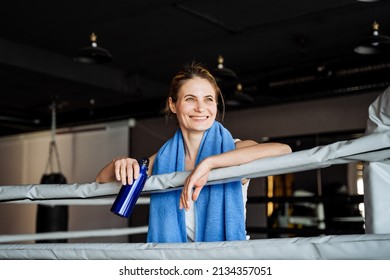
(144, 162)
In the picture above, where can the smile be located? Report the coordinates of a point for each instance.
(199, 118)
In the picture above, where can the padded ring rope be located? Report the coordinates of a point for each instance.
(350, 247)
(91, 201)
(369, 148)
(72, 234)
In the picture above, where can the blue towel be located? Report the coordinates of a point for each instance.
(219, 210)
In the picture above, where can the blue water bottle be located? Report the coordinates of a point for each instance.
(128, 195)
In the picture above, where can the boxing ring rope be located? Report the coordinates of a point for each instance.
(374, 147)
(325, 247)
(73, 234)
(371, 148)
(89, 201)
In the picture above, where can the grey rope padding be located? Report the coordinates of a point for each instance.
(341, 247)
(72, 234)
(373, 147)
(92, 201)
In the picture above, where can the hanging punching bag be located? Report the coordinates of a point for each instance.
(52, 218)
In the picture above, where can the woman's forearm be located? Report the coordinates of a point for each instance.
(107, 174)
(247, 152)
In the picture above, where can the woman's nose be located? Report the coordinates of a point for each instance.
(200, 106)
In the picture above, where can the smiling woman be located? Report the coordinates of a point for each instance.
(196, 105)
(198, 72)
(201, 143)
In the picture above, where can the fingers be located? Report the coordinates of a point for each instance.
(190, 192)
(132, 171)
(186, 197)
(126, 170)
(123, 172)
(185, 194)
(193, 185)
(195, 193)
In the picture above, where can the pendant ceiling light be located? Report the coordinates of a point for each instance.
(239, 98)
(375, 43)
(222, 74)
(93, 53)
(230, 86)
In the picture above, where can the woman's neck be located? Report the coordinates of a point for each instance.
(191, 145)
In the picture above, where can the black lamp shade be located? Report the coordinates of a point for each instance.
(238, 98)
(93, 53)
(223, 75)
(374, 44)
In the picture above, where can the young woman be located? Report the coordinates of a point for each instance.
(197, 212)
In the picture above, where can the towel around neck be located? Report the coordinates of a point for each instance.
(219, 211)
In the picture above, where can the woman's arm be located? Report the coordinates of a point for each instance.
(246, 151)
(122, 169)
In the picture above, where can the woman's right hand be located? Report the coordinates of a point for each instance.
(126, 169)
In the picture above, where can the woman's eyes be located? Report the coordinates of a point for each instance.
(207, 99)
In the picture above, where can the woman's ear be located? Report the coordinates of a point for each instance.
(172, 105)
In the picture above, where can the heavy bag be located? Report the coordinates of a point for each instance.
(52, 218)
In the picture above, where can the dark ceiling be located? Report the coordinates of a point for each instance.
(281, 50)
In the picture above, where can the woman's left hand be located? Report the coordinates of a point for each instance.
(194, 184)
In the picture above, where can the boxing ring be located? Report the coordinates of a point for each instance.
(371, 148)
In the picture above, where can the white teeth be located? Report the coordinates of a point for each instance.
(199, 118)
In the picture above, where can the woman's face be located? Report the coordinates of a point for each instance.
(196, 105)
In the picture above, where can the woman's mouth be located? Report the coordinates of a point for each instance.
(199, 118)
